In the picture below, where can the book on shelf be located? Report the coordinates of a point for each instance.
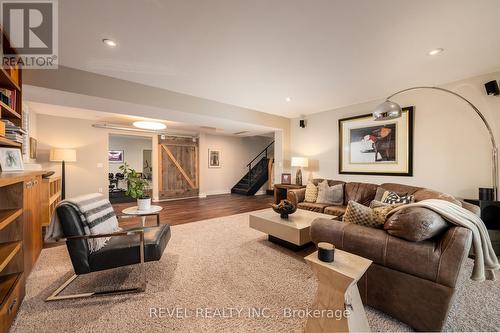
(9, 97)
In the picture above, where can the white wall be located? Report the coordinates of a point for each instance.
(133, 148)
(452, 151)
(236, 153)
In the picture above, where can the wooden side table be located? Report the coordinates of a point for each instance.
(153, 211)
(281, 191)
(337, 291)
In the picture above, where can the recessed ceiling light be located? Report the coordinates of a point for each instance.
(435, 51)
(150, 125)
(288, 99)
(109, 42)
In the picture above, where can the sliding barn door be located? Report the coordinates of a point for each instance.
(178, 168)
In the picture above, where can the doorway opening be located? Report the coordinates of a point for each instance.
(136, 152)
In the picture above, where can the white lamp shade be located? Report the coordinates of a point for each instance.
(59, 155)
(300, 162)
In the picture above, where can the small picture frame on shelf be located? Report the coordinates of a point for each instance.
(11, 159)
(286, 178)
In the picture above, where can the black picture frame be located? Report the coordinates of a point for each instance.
(286, 178)
(410, 129)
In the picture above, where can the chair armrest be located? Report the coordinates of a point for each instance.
(296, 196)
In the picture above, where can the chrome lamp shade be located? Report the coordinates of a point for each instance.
(387, 110)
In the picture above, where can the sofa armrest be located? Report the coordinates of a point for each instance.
(472, 208)
(296, 196)
(454, 248)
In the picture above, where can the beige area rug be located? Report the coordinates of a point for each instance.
(213, 266)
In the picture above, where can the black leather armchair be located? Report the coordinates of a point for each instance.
(127, 247)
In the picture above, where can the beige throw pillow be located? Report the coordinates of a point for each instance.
(330, 195)
(369, 217)
(311, 193)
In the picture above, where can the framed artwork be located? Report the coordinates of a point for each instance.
(286, 178)
(369, 147)
(115, 156)
(11, 159)
(214, 156)
(33, 148)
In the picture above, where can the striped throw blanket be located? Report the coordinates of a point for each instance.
(97, 215)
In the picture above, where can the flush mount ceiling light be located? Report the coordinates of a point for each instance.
(288, 99)
(435, 51)
(150, 125)
(109, 42)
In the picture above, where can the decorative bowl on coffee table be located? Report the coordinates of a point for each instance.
(284, 208)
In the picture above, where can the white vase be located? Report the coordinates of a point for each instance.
(144, 204)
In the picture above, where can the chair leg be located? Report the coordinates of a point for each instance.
(56, 297)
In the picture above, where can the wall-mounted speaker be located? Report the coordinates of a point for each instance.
(490, 214)
(492, 88)
(302, 123)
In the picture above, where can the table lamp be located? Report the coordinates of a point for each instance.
(299, 162)
(62, 155)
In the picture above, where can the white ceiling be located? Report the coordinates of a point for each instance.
(322, 53)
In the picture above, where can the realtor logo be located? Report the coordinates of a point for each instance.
(31, 31)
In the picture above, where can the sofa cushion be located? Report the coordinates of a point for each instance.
(331, 195)
(415, 224)
(335, 210)
(426, 193)
(362, 193)
(311, 192)
(315, 207)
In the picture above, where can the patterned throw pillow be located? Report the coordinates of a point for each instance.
(330, 195)
(360, 214)
(311, 193)
(394, 198)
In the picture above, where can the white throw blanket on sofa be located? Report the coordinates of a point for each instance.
(486, 261)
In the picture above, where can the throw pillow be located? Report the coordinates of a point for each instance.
(415, 224)
(359, 214)
(394, 198)
(330, 195)
(311, 193)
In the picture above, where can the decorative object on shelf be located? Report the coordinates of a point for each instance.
(11, 159)
(299, 162)
(136, 187)
(286, 178)
(115, 156)
(326, 252)
(374, 147)
(390, 110)
(62, 155)
(214, 156)
(33, 148)
(284, 208)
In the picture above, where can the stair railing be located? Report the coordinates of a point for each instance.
(249, 165)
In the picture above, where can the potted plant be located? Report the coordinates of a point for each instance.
(136, 187)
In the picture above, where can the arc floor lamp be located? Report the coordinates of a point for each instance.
(391, 110)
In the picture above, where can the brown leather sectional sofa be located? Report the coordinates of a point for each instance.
(411, 281)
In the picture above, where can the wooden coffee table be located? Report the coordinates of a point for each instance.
(292, 233)
(338, 291)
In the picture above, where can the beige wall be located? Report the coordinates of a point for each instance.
(236, 153)
(451, 146)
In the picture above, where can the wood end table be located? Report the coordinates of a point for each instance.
(153, 211)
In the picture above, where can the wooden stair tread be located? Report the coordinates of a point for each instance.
(7, 252)
(6, 284)
(9, 215)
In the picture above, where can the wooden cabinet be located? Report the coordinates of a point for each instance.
(33, 241)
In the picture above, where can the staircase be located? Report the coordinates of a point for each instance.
(256, 176)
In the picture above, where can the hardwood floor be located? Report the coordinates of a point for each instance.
(191, 210)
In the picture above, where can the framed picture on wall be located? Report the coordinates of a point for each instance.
(11, 159)
(369, 147)
(115, 156)
(214, 158)
(286, 178)
(33, 148)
